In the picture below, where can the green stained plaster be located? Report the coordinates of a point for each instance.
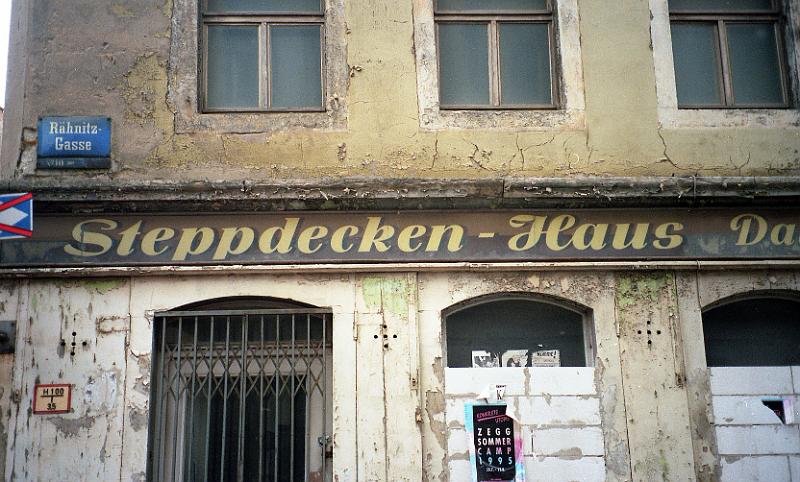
(645, 287)
(664, 464)
(121, 11)
(102, 286)
(389, 294)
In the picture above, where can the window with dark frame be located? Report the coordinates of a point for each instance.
(729, 53)
(497, 55)
(262, 55)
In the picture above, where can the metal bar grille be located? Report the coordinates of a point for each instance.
(241, 396)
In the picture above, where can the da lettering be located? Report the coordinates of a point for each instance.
(751, 229)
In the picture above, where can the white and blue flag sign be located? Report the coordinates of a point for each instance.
(16, 215)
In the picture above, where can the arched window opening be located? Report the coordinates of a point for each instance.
(753, 332)
(518, 331)
(241, 391)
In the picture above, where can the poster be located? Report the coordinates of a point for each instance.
(546, 358)
(516, 358)
(484, 359)
(495, 443)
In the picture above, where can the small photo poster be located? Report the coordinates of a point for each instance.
(495, 443)
(484, 359)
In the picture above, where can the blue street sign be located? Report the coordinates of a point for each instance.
(74, 142)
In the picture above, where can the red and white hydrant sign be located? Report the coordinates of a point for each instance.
(53, 398)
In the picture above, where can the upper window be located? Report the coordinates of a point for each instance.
(262, 55)
(753, 332)
(495, 56)
(728, 53)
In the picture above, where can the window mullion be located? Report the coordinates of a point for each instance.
(204, 69)
(265, 77)
(494, 65)
(553, 67)
(725, 63)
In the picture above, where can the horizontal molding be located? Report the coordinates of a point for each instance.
(59, 194)
(102, 271)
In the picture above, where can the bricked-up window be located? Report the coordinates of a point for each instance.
(262, 55)
(753, 332)
(729, 53)
(517, 332)
(495, 55)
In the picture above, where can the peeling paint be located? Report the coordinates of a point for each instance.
(138, 419)
(100, 394)
(72, 427)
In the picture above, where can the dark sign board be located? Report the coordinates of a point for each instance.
(494, 443)
(74, 143)
(412, 236)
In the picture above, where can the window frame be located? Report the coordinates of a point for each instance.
(720, 19)
(264, 22)
(491, 18)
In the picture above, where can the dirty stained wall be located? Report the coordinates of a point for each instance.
(395, 405)
(128, 65)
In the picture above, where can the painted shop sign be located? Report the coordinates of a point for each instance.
(578, 235)
(74, 143)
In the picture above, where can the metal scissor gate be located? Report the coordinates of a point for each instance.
(240, 395)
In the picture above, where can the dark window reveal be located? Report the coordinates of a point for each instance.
(512, 326)
(756, 332)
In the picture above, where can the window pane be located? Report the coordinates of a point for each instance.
(463, 64)
(697, 64)
(525, 63)
(510, 327)
(755, 68)
(232, 67)
(495, 6)
(295, 66)
(719, 5)
(263, 6)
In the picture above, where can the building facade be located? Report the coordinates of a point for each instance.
(325, 231)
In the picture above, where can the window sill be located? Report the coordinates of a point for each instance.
(222, 122)
(527, 119)
(728, 117)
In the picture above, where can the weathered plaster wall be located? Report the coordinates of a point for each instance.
(118, 58)
(596, 292)
(9, 297)
(697, 292)
(85, 444)
(647, 411)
